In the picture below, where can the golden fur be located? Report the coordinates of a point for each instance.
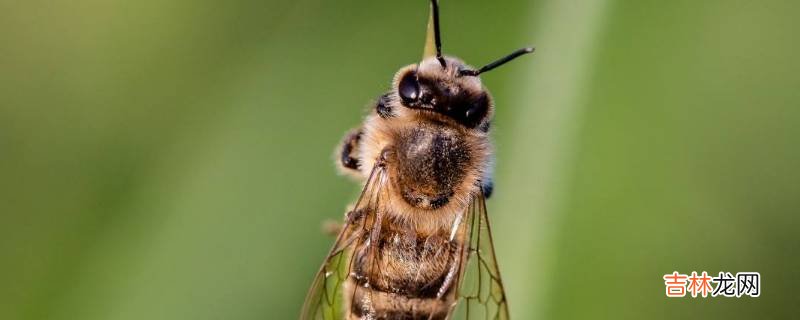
(380, 134)
(418, 246)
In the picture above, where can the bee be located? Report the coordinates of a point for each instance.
(417, 243)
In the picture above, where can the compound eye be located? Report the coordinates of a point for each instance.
(409, 88)
(475, 111)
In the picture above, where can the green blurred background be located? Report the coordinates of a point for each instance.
(172, 159)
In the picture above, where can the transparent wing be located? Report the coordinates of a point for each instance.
(324, 300)
(480, 291)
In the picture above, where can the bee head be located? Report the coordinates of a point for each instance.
(432, 89)
(445, 85)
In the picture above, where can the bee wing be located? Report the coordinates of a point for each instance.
(480, 291)
(324, 298)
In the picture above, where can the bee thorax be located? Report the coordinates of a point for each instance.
(430, 164)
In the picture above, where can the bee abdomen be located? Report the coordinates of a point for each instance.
(403, 276)
(370, 303)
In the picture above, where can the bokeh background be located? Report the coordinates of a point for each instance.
(172, 159)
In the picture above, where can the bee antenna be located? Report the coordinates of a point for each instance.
(437, 35)
(496, 63)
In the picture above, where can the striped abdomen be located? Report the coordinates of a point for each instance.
(401, 276)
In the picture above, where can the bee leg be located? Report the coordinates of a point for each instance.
(383, 108)
(348, 152)
(488, 188)
(331, 227)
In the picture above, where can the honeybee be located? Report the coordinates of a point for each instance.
(417, 243)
